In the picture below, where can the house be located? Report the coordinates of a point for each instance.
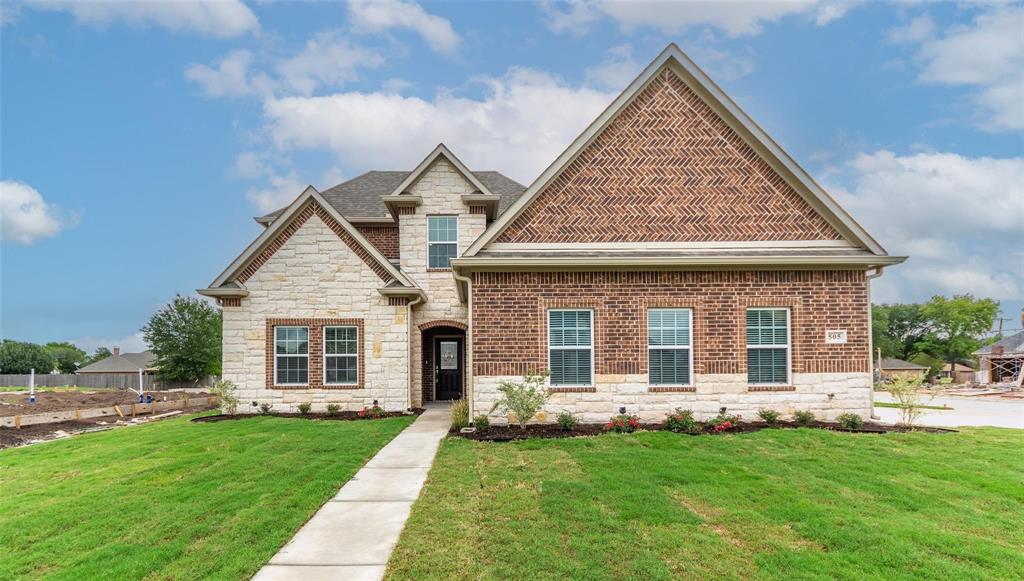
(1003, 361)
(892, 367)
(960, 373)
(122, 363)
(672, 256)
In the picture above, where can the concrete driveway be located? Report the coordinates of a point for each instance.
(967, 411)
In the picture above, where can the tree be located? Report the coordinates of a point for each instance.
(897, 329)
(100, 354)
(957, 325)
(69, 358)
(185, 337)
(18, 357)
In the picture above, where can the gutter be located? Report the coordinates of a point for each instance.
(467, 295)
(408, 348)
(871, 341)
(682, 262)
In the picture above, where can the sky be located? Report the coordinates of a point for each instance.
(138, 140)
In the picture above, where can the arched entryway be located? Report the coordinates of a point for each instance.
(444, 360)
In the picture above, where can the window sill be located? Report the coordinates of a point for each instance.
(572, 389)
(672, 389)
(439, 270)
(327, 387)
(771, 388)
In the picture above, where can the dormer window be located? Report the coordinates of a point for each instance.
(442, 240)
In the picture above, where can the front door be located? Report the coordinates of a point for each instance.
(448, 358)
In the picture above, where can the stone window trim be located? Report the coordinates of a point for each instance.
(316, 348)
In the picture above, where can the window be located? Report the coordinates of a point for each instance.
(571, 347)
(442, 240)
(669, 356)
(341, 355)
(768, 346)
(291, 355)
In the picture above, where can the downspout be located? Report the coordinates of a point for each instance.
(469, 339)
(871, 340)
(408, 348)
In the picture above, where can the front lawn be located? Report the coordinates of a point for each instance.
(781, 504)
(173, 499)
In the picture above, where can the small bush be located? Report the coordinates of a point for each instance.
(265, 409)
(304, 408)
(523, 398)
(567, 421)
(372, 412)
(682, 421)
(333, 409)
(482, 422)
(227, 396)
(723, 422)
(623, 424)
(770, 417)
(850, 421)
(460, 414)
(803, 417)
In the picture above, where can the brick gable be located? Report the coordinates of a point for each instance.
(668, 169)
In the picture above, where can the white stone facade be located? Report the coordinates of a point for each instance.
(825, 394)
(315, 275)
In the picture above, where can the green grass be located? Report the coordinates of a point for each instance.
(885, 404)
(775, 504)
(173, 499)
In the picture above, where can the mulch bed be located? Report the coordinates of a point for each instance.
(346, 416)
(51, 401)
(543, 431)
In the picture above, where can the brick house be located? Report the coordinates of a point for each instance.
(672, 256)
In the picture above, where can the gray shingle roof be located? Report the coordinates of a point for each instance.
(1011, 344)
(123, 363)
(360, 197)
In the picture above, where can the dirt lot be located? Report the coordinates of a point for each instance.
(12, 405)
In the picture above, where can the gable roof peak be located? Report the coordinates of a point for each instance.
(440, 150)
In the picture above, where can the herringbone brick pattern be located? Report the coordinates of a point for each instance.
(668, 169)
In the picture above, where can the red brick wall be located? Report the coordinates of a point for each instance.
(668, 169)
(384, 237)
(316, 352)
(510, 321)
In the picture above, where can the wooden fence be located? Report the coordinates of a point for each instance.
(103, 381)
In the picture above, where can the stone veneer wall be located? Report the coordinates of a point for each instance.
(314, 275)
(441, 187)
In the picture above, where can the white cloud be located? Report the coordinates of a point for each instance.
(383, 15)
(133, 343)
(26, 217)
(327, 59)
(917, 30)
(217, 18)
(987, 55)
(230, 77)
(279, 192)
(735, 18)
(522, 122)
(618, 70)
(960, 220)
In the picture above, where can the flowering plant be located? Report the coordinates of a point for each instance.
(682, 421)
(726, 425)
(374, 412)
(623, 424)
(723, 423)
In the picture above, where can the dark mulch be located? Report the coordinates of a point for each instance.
(340, 416)
(513, 433)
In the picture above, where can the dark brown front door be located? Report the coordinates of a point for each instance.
(448, 358)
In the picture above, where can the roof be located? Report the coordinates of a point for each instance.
(893, 364)
(360, 197)
(123, 363)
(959, 367)
(1011, 344)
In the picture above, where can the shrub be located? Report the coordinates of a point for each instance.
(623, 424)
(226, 392)
(850, 421)
(803, 417)
(907, 393)
(304, 408)
(723, 422)
(265, 409)
(770, 417)
(460, 414)
(482, 422)
(567, 421)
(333, 409)
(372, 412)
(523, 398)
(682, 421)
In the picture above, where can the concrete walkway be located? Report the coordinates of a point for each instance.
(352, 536)
(967, 411)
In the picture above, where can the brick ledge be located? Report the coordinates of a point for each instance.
(771, 388)
(670, 389)
(572, 389)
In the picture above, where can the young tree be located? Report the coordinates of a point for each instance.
(185, 337)
(897, 329)
(69, 358)
(957, 325)
(19, 357)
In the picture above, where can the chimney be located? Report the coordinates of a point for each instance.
(117, 351)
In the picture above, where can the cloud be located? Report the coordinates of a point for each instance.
(960, 219)
(279, 192)
(133, 343)
(327, 59)
(230, 77)
(524, 120)
(734, 18)
(618, 70)
(26, 217)
(917, 30)
(988, 56)
(219, 18)
(383, 15)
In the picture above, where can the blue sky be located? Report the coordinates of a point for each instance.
(139, 139)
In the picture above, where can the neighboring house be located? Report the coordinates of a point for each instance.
(892, 367)
(960, 374)
(1003, 361)
(672, 256)
(126, 363)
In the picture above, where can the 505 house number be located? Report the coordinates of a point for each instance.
(837, 337)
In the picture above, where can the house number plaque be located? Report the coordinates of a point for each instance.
(837, 337)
